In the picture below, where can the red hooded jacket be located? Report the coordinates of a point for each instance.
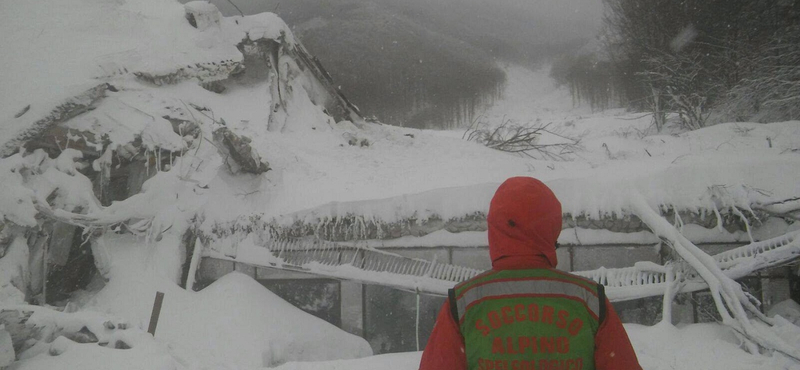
(524, 223)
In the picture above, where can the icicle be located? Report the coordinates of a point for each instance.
(669, 295)
(746, 223)
(719, 218)
(678, 220)
(724, 290)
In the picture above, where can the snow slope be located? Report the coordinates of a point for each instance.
(54, 51)
(233, 323)
(661, 347)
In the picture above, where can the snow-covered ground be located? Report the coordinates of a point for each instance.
(661, 347)
(236, 323)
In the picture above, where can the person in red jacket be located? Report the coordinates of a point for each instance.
(524, 314)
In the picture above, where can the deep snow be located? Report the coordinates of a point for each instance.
(236, 323)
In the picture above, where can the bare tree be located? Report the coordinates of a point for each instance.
(737, 57)
(771, 90)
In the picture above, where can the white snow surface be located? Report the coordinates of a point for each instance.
(235, 323)
(55, 50)
(661, 347)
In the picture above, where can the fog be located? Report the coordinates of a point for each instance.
(429, 64)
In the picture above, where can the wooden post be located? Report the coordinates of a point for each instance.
(156, 312)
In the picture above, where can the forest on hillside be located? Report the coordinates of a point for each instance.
(419, 63)
(702, 61)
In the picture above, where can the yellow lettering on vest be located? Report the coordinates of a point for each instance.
(481, 364)
(506, 313)
(578, 364)
(547, 314)
(575, 326)
(518, 314)
(547, 345)
(494, 319)
(562, 319)
(515, 365)
(533, 312)
(489, 365)
(482, 327)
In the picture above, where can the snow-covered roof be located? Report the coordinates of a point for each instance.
(53, 52)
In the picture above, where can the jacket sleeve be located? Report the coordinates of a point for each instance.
(613, 349)
(445, 348)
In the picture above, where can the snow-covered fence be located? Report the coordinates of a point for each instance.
(353, 262)
(298, 253)
(642, 273)
(647, 279)
(759, 255)
(369, 265)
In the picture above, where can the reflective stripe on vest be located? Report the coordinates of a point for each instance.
(536, 319)
(535, 285)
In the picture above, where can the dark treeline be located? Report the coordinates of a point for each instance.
(706, 60)
(424, 63)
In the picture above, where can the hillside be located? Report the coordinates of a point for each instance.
(421, 64)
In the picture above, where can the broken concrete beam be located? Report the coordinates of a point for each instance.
(60, 243)
(202, 14)
(7, 355)
(239, 155)
(68, 109)
(202, 72)
(15, 324)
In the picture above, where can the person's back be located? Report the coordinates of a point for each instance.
(529, 319)
(525, 314)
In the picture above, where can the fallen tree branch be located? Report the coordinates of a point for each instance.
(728, 295)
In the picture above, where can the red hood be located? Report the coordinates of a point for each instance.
(524, 220)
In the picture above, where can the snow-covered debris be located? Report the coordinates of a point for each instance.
(234, 323)
(788, 309)
(699, 346)
(112, 134)
(202, 14)
(111, 131)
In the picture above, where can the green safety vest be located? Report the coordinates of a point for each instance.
(537, 319)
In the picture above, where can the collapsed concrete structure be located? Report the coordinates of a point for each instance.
(76, 170)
